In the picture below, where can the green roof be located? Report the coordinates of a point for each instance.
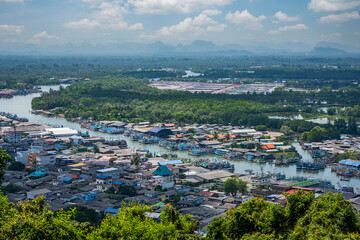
(304, 184)
(162, 170)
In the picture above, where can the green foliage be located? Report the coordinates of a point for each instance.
(252, 217)
(111, 190)
(34, 220)
(298, 203)
(346, 155)
(96, 149)
(329, 217)
(182, 176)
(260, 128)
(318, 134)
(10, 188)
(158, 188)
(4, 158)
(84, 214)
(135, 160)
(286, 130)
(132, 223)
(16, 166)
(127, 191)
(234, 186)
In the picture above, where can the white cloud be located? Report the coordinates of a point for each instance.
(283, 17)
(189, 26)
(43, 36)
(110, 12)
(357, 33)
(246, 19)
(332, 5)
(211, 12)
(11, 29)
(82, 24)
(174, 6)
(123, 26)
(13, 1)
(90, 24)
(299, 26)
(343, 17)
(289, 28)
(107, 15)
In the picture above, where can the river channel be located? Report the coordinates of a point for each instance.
(21, 105)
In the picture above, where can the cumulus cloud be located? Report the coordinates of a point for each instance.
(283, 17)
(189, 26)
(211, 12)
(108, 15)
(90, 24)
(11, 29)
(123, 26)
(82, 24)
(43, 36)
(343, 17)
(332, 5)
(110, 12)
(296, 27)
(174, 6)
(246, 20)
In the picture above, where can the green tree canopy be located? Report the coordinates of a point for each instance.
(34, 220)
(234, 186)
(131, 223)
(16, 166)
(4, 158)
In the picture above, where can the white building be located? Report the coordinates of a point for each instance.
(62, 132)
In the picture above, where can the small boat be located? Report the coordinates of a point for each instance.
(344, 179)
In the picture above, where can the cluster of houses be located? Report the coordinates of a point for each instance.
(68, 169)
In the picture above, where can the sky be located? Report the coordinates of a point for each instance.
(58, 22)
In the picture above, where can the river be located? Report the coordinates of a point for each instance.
(21, 105)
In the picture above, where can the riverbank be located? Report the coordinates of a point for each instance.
(21, 105)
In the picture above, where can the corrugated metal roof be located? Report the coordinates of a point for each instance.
(102, 176)
(170, 162)
(350, 162)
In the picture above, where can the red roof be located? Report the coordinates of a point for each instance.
(72, 176)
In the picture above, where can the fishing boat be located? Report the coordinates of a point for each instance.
(309, 166)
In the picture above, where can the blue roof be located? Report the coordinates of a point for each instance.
(66, 179)
(112, 210)
(102, 176)
(119, 183)
(350, 163)
(37, 174)
(170, 162)
(272, 195)
(162, 170)
(83, 175)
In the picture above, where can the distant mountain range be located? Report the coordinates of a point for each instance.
(196, 48)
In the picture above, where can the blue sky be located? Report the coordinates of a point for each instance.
(49, 22)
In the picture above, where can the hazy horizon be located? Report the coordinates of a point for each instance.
(99, 22)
